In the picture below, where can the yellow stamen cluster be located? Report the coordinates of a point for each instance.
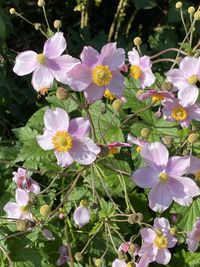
(24, 209)
(41, 58)
(157, 98)
(43, 90)
(135, 71)
(113, 150)
(163, 176)
(161, 241)
(193, 79)
(109, 95)
(62, 141)
(138, 149)
(179, 114)
(101, 75)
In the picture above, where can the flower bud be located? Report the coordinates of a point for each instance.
(23, 225)
(145, 132)
(82, 214)
(166, 86)
(41, 3)
(62, 93)
(178, 5)
(61, 216)
(191, 10)
(57, 24)
(192, 138)
(197, 15)
(117, 104)
(137, 41)
(12, 11)
(37, 26)
(167, 140)
(45, 210)
(78, 256)
(98, 262)
(48, 234)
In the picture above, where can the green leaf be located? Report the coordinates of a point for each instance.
(144, 4)
(36, 121)
(107, 209)
(8, 152)
(25, 134)
(68, 104)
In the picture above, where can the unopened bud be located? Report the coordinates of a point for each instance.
(45, 210)
(41, 3)
(192, 138)
(178, 5)
(61, 216)
(167, 140)
(191, 10)
(145, 132)
(98, 262)
(37, 26)
(78, 256)
(57, 24)
(12, 11)
(166, 86)
(131, 249)
(62, 93)
(197, 15)
(173, 231)
(117, 104)
(23, 225)
(130, 264)
(137, 41)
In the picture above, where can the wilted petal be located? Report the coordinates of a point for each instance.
(55, 45)
(81, 216)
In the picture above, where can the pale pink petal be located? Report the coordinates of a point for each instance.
(21, 197)
(64, 159)
(190, 187)
(163, 256)
(177, 166)
(55, 45)
(115, 60)
(81, 216)
(171, 240)
(190, 66)
(147, 78)
(116, 85)
(80, 77)
(79, 127)
(144, 260)
(194, 112)
(45, 140)
(145, 62)
(84, 151)
(148, 235)
(149, 248)
(193, 240)
(94, 92)
(35, 188)
(161, 223)
(145, 177)
(25, 63)
(194, 164)
(13, 210)
(107, 52)
(61, 66)
(118, 263)
(89, 56)
(42, 77)
(188, 96)
(56, 120)
(177, 78)
(160, 197)
(48, 234)
(133, 57)
(155, 155)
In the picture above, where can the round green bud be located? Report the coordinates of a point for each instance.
(37, 26)
(78, 256)
(137, 41)
(192, 138)
(57, 24)
(145, 132)
(62, 93)
(12, 11)
(191, 10)
(45, 210)
(178, 5)
(117, 104)
(197, 15)
(41, 3)
(98, 262)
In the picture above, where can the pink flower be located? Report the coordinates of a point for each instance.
(18, 209)
(137, 141)
(193, 236)
(174, 111)
(125, 246)
(141, 68)
(164, 176)
(82, 214)
(24, 182)
(69, 139)
(47, 65)
(156, 95)
(119, 263)
(194, 167)
(185, 79)
(64, 255)
(99, 72)
(157, 242)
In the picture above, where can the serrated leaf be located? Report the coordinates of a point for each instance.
(69, 105)
(25, 134)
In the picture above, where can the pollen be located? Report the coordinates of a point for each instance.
(157, 98)
(43, 90)
(193, 79)
(179, 114)
(62, 141)
(135, 71)
(109, 95)
(163, 176)
(138, 149)
(41, 58)
(24, 209)
(161, 241)
(101, 75)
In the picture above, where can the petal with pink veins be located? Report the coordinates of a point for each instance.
(81, 216)
(147, 79)
(188, 96)
(56, 120)
(116, 85)
(79, 127)
(55, 45)
(89, 56)
(94, 92)
(134, 57)
(45, 140)
(115, 60)
(107, 52)
(80, 77)
(148, 235)
(190, 66)
(177, 166)
(177, 78)
(161, 223)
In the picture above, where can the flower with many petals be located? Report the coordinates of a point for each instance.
(99, 72)
(137, 141)
(164, 176)
(19, 209)
(23, 181)
(193, 237)
(69, 139)
(47, 65)
(156, 96)
(185, 79)
(141, 68)
(174, 111)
